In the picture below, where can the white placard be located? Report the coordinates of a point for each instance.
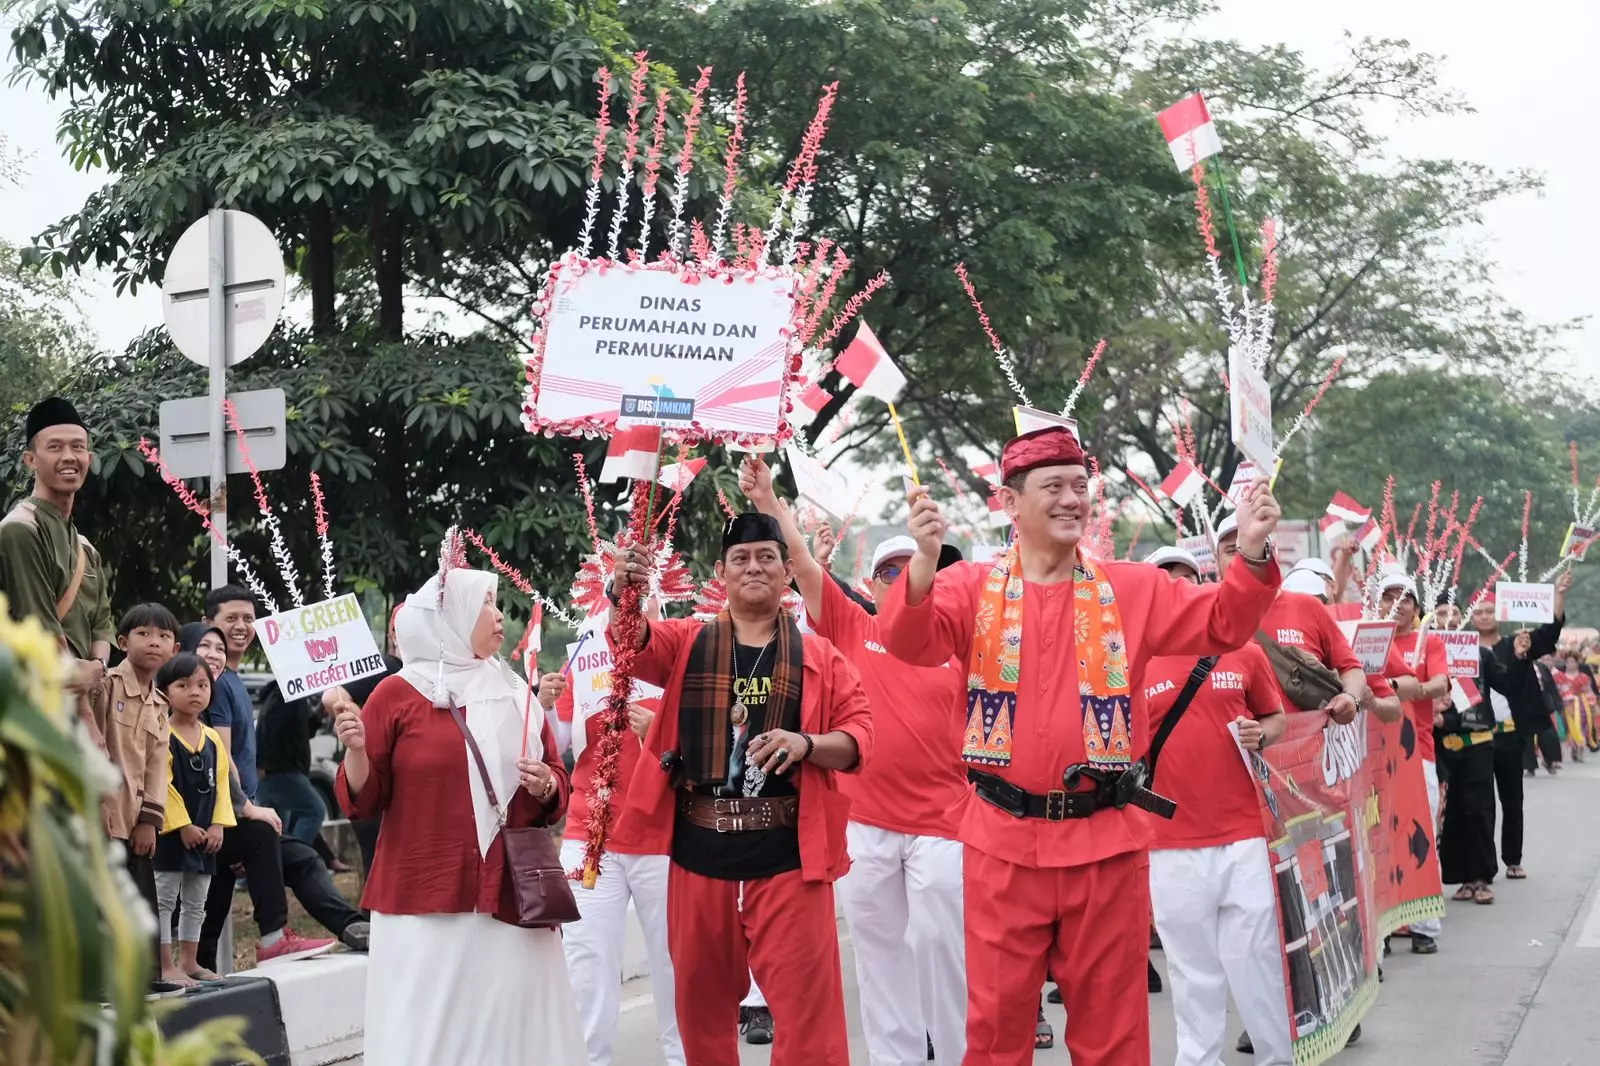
(1579, 539)
(1250, 407)
(1370, 641)
(1460, 652)
(1200, 547)
(826, 488)
(318, 646)
(591, 685)
(1518, 601)
(1031, 418)
(1246, 473)
(716, 349)
(986, 553)
(1293, 540)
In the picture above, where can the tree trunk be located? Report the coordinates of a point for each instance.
(321, 268)
(388, 263)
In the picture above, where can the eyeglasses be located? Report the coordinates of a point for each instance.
(888, 573)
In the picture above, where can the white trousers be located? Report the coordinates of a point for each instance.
(594, 947)
(1430, 773)
(903, 901)
(1218, 918)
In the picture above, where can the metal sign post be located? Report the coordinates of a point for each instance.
(230, 263)
(217, 309)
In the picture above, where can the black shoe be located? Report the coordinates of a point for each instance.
(1423, 945)
(1355, 1035)
(1153, 978)
(1387, 950)
(357, 936)
(1054, 995)
(756, 1025)
(930, 1047)
(1244, 1044)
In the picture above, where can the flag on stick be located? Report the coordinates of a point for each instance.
(1347, 509)
(809, 404)
(1183, 483)
(1190, 133)
(632, 453)
(676, 476)
(867, 366)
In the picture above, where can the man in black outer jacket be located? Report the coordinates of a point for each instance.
(1530, 713)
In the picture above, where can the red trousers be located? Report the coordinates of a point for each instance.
(1089, 926)
(785, 934)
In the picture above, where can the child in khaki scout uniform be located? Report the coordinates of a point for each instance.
(132, 716)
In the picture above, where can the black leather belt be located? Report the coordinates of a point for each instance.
(1108, 788)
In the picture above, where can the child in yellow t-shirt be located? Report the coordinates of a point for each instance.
(198, 807)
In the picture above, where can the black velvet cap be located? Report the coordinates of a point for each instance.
(53, 411)
(751, 527)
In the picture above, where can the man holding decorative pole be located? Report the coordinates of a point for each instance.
(1056, 866)
(902, 896)
(737, 784)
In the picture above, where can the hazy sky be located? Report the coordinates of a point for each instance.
(1524, 69)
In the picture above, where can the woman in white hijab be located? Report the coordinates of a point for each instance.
(447, 982)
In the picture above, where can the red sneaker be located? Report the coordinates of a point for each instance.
(293, 946)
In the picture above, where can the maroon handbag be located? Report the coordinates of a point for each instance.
(535, 892)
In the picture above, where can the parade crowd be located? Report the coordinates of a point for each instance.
(960, 760)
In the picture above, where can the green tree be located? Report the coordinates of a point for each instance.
(1466, 432)
(390, 146)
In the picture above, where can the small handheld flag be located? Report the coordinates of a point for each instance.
(1191, 134)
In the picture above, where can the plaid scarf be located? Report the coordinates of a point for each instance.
(706, 698)
(994, 667)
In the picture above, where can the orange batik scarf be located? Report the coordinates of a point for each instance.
(995, 667)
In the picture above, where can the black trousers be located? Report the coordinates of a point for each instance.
(273, 866)
(1466, 846)
(1546, 743)
(142, 869)
(1508, 755)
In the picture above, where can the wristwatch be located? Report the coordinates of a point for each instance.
(1269, 551)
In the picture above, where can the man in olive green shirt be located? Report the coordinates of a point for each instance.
(48, 570)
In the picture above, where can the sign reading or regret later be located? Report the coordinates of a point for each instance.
(318, 646)
(706, 353)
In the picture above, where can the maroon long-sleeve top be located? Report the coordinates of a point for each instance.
(427, 859)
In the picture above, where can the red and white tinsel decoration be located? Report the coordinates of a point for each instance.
(280, 550)
(324, 543)
(1001, 354)
(680, 189)
(630, 151)
(591, 196)
(153, 456)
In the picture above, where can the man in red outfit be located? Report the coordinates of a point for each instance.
(1057, 867)
(737, 783)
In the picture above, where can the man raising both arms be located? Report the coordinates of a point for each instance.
(902, 896)
(1056, 867)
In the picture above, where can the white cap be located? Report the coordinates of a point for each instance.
(1314, 565)
(1167, 555)
(1397, 579)
(1229, 524)
(1306, 582)
(893, 548)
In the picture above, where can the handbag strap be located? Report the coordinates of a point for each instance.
(477, 757)
(1197, 677)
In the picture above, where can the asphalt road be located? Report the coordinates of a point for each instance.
(1514, 984)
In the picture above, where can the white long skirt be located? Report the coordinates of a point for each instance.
(464, 988)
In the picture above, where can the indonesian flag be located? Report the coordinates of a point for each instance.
(1369, 535)
(1464, 694)
(1190, 133)
(1182, 484)
(812, 399)
(1333, 530)
(632, 453)
(990, 472)
(997, 514)
(1346, 508)
(867, 366)
(676, 476)
(534, 637)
